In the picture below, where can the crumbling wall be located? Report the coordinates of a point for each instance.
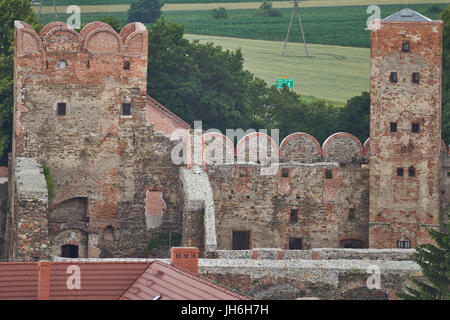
(95, 151)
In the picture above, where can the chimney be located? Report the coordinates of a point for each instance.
(44, 280)
(185, 258)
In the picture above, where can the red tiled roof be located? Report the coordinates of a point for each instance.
(18, 281)
(173, 283)
(99, 280)
(109, 280)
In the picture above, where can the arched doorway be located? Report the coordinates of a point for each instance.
(69, 251)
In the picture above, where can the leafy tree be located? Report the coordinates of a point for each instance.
(435, 264)
(266, 10)
(354, 118)
(197, 81)
(10, 10)
(113, 22)
(145, 11)
(219, 13)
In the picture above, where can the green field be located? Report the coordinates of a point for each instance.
(331, 72)
(302, 3)
(344, 26)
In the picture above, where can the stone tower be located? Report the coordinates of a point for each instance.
(405, 129)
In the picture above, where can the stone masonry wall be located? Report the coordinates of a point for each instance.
(401, 207)
(94, 151)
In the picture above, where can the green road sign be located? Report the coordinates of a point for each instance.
(288, 82)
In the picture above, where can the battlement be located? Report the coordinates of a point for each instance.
(95, 38)
(60, 55)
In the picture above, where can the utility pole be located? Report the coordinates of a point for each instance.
(40, 8)
(295, 8)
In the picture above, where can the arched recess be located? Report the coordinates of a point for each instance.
(342, 147)
(69, 211)
(67, 240)
(103, 40)
(300, 147)
(108, 234)
(256, 147)
(217, 149)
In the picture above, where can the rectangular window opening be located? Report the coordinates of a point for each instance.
(393, 77)
(126, 65)
(415, 128)
(294, 215)
(285, 173)
(126, 109)
(328, 174)
(405, 46)
(295, 244)
(61, 109)
(415, 77)
(393, 126)
(241, 240)
(403, 244)
(400, 172)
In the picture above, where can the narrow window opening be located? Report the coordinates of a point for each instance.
(405, 46)
(448, 174)
(295, 244)
(328, 174)
(88, 64)
(126, 109)
(351, 213)
(285, 173)
(412, 171)
(294, 215)
(46, 64)
(126, 65)
(415, 77)
(61, 109)
(393, 77)
(415, 128)
(400, 172)
(393, 126)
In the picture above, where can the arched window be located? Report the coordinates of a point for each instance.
(69, 251)
(62, 64)
(412, 171)
(108, 234)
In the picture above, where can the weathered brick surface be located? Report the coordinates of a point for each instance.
(262, 204)
(93, 152)
(402, 207)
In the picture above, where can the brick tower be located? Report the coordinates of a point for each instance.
(405, 129)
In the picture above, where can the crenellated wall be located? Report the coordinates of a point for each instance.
(102, 161)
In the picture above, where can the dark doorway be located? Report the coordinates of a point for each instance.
(69, 251)
(241, 240)
(351, 243)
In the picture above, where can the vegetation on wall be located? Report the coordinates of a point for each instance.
(165, 239)
(50, 183)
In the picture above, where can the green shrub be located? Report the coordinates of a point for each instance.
(219, 13)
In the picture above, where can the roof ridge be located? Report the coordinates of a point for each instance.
(134, 282)
(205, 281)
